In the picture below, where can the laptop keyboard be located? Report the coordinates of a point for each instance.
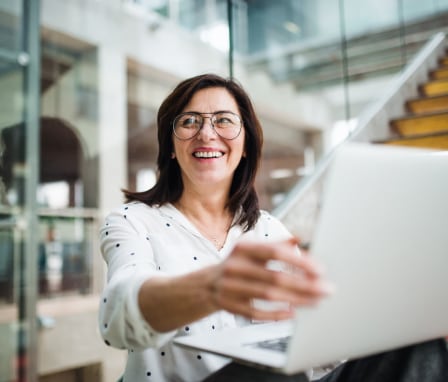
(277, 344)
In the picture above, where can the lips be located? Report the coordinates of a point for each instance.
(208, 154)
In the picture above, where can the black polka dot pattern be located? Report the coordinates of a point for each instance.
(151, 233)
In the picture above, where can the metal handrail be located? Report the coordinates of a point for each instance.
(299, 190)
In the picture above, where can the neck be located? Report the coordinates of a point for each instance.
(204, 202)
(211, 218)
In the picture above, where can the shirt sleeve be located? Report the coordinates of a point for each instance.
(127, 252)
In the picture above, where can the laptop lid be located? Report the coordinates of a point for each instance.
(383, 239)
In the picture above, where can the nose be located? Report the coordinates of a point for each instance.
(207, 130)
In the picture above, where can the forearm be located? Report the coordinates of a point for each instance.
(168, 303)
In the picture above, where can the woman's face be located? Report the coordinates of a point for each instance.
(207, 159)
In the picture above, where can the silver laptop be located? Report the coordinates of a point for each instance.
(383, 238)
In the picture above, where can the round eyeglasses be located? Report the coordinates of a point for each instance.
(225, 123)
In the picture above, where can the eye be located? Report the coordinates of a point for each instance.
(189, 121)
(226, 119)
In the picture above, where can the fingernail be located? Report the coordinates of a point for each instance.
(320, 268)
(327, 288)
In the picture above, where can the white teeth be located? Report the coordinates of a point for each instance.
(208, 154)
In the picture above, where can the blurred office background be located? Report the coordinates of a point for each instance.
(80, 85)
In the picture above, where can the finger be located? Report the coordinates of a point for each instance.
(284, 251)
(297, 293)
(243, 266)
(246, 280)
(307, 265)
(253, 278)
(247, 309)
(296, 285)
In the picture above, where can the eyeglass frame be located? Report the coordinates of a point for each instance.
(211, 115)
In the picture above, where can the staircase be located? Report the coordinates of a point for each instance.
(413, 112)
(426, 123)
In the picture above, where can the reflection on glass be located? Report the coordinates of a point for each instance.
(65, 255)
(10, 25)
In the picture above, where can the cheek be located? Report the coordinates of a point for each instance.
(243, 147)
(177, 148)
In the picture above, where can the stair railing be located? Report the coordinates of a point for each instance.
(373, 124)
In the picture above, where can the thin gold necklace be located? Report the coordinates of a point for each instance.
(218, 244)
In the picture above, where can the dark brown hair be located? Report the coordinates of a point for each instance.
(169, 186)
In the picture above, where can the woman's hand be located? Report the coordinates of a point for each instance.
(245, 277)
(236, 284)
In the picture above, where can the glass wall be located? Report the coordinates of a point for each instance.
(19, 71)
(67, 193)
(324, 60)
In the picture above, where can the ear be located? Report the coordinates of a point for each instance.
(244, 154)
(173, 155)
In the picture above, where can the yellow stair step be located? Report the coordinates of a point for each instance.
(436, 87)
(437, 141)
(428, 104)
(439, 74)
(420, 124)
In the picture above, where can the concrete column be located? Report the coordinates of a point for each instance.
(112, 126)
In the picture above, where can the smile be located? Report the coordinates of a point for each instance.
(208, 154)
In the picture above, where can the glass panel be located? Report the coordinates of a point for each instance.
(16, 335)
(12, 133)
(66, 248)
(377, 39)
(286, 55)
(10, 25)
(68, 189)
(373, 52)
(419, 10)
(142, 147)
(9, 315)
(11, 197)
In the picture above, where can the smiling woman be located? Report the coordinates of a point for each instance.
(191, 254)
(209, 160)
(196, 95)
